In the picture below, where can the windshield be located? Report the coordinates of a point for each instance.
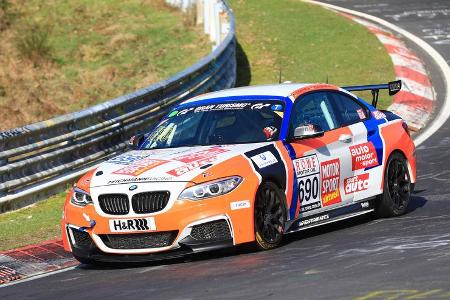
(218, 124)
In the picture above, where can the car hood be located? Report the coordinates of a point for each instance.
(166, 165)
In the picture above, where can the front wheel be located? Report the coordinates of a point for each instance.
(396, 189)
(270, 216)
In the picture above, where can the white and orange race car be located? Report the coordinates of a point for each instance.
(243, 165)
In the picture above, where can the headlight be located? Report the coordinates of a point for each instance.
(211, 189)
(80, 197)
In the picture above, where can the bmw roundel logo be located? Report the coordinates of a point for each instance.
(133, 187)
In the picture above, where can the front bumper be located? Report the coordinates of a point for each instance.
(180, 218)
(189, 245)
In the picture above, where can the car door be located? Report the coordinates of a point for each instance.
(321, 163)
(366, 148)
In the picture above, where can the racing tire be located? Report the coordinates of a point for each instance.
(396, 188)
(270, 216)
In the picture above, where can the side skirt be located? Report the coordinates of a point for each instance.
(335, 215)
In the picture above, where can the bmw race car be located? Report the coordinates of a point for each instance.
(243, 165)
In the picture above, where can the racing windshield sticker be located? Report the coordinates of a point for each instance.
(330, 182)
(363, 156)
(356, 183)
(307, 170)
(139, 167)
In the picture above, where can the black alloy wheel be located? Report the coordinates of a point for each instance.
(397, 188)
(270, 216)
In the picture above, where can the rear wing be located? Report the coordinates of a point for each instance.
(394, 87)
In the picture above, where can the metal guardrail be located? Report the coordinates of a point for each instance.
(39, 159)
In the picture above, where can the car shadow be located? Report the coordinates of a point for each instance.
(415, 203)
(243, 75)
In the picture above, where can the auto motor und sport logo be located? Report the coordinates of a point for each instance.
(356, 183)
(330, 182)
(363, 156)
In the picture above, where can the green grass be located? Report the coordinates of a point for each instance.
(85, 52)
(32, 224)
(309, 44)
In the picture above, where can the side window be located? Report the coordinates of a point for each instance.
(314, 108)
(348, 111)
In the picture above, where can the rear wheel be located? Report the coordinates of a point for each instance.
(270, 216)
(397, 188)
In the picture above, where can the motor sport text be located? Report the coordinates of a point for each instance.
(356, 183)
(330, 182)
(363, 156)
(124, 225)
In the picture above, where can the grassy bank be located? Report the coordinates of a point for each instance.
(62, 56)
(32, 224)
(308, 44)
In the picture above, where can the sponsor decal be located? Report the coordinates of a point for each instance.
(330, 182)
(191, 166)
(306, 165)
(125, 225)
(264, 159)
(127, 159)
(361, 114)
(259, 105)
(222, 106)
(240, 204)
(201, 155)
(173, 114)
(140, 167)
(276, 107)
(365, 204)
(356, 183)
(363, 156)
(378, 115)
(313, 220)
(307, 169)
(196, 160)
(140, 179)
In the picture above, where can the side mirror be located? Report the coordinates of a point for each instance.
(135, 141)
(307, 131)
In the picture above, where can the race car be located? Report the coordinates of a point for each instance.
(243, 165)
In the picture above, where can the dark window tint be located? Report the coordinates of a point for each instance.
(314, 108)
(348, 111)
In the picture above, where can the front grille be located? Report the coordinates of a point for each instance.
(114, 204)
(212, 231)
(139, 240)
(82, 238)
(149, 202)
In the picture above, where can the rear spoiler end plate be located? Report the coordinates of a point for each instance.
(393, 87)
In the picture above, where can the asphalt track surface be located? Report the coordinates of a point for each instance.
(401, 258)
